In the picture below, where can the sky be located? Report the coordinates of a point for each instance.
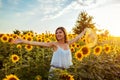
(46, 15)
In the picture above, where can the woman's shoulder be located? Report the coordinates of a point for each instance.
(54, 44)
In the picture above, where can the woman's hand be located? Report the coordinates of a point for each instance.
(86, 29)
(17, 41)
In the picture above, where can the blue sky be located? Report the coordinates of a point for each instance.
(47, 15)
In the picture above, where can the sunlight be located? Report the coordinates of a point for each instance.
(107, 18)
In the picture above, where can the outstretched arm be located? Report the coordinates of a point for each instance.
(77, 37)
(19, 40)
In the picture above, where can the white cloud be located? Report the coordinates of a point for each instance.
(45, 9)
(86, 2)
(91, 4)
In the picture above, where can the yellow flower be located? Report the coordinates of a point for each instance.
(10, 39)
(29, 38)
(14, 36)
(23, 37)
(38, 38)
(30, 34)
(47, 40)
(97, 50)
(73, 45)
(79, 55)
(70, 77)
(77, 46)
(38, 77)
(1, 35)
(107, 48)
(83, 39)
(85, 50)
(11, 77)
(4, 38)
(15, 58)
(72, 49)
(19, 46)
(28, 47)
(66, 77)
(4, 79)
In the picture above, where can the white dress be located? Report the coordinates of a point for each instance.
(61, 58)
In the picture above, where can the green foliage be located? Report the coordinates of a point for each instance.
(32, 63)
(22, 32)
(103, 67)
(84, 21)
(17, 32)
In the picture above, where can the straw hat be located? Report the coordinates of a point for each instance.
(90, 37)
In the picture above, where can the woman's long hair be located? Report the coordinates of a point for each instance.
(65, 33)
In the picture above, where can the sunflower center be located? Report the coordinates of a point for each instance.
(39, 40)
(79, 55)
(84, 50)
(29, 39)
(28, 46)
(107, 48)
(15, 58)
(14, 36)
(5, 38)
(10, 39)
(97, 50)
(19, 46)
(12, 78)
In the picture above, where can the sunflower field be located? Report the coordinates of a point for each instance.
(27, 62)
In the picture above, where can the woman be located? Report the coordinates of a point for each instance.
(61, 58)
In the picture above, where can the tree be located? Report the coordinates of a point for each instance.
(84, 21)
(27, 31)
(17, 32)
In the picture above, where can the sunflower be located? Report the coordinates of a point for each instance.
(23, 37)
(10, 39)
(29, 38)
(85, 50)
(72, 49)
(1, 35)
(11, 77)
(5, 79)
(38, 77)
(30, 34)
(28, 47)
(97, 50)
(77, 46)
(66, 77)
(73, 45)
(107, 48)
(79, 55)
(15, 58)
(19, 46)
(47, 40)
(4, 38)
(14, 36)
(83, 39)
(39, 39)
(70, 77)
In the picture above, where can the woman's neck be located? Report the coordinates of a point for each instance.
(61, 41)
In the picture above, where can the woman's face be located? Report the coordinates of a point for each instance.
(60, 34)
